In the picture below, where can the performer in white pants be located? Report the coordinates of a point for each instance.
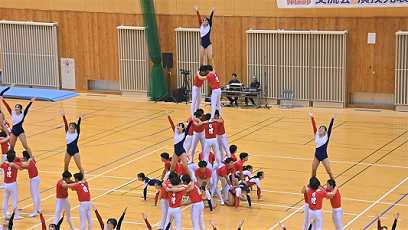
(214, 80)
(175, 194)
(5, 146)
(222, 175)
(164, 200)
(31, 167)
(337, 213)
(211, 142)
(188, 142)
(194, 193)
(196, 90)
(306, 210)
(84, 197)
(198, 133)
(62, 202)
(10, 183)
(315, 197)
(221, 136)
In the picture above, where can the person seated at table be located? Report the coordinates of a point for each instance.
(236, 81)
(254, 85)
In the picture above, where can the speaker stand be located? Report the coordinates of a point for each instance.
(169, 93)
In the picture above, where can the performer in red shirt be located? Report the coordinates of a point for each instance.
(315, 199)
(222, 175)
(5, 146)
(196, 90)
(221, 136)
(198, 133)
(194, 192)
(203, 174)
(164, 200)
(62, 203)
(84, 197)
(211, 142)
(337, 213)
(214, 80)
(239, 165)
(175, 194)
(10, 183)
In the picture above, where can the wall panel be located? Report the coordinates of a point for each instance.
(91, 39)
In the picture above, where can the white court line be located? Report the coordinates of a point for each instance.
(115, 177)
(343, 198)
(281, 206)
(375, 202)
(341, 162)
(293, 213)
(101, 175)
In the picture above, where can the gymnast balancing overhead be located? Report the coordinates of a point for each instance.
(205, 32)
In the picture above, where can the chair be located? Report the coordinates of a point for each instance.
(287, 95)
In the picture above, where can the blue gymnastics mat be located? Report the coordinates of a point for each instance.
(40, 94)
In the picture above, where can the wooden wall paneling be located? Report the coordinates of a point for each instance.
(244, 7)
(306, 24)
(265, 7)
(166, 6)
(306, 12)
(74, 5)
(327, 24)
(58, 5)
(23, 4)
(225, 7)
(186, 7)
(331, 12)
(131, 6)
(350, 12)
(287, 23)
(372, 12)
(246, 24)
(396, 11)
(280, 12)
(7, 3)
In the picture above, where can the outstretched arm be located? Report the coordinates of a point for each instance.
(198, 15)
(394, 226)
(313, 123)
(170, 121)
(65, 120)
(187, 129)
(6, 104)
(121, 219)
(147, 222)
(98, 216)
(43, 225)
(331, 125)
(28, 106)
(211, 16)
(11, 220)
(79, 123)
(5, 90)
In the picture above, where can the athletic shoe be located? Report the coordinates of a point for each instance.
(32, 215)
(18, 217)
(2, 187)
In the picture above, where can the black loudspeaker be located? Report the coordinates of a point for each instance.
(178, 94)
(167, 60)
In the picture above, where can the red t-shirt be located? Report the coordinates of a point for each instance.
(316, 199)
(32, 169)
(239, 166)
(203, 175)
(180, 170)
(190, 131)
(82, 192)
(62, 193)
(305, 195)
(195, 194)
(220, 128)
(232, 156)
(10, 172)
(224, 171)
(211, 158)
(175, 199)
(198, 129)
(197, 81)
(188, 158)
(210, 130)
(214, 81)
(5, 147)
(336, 200)
(163, 194)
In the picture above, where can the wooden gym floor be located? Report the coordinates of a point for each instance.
(121, 137)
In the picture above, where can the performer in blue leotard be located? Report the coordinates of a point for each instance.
(322, 137)
(17, 117)
(72, 135)
(180, 134)
(205, 31)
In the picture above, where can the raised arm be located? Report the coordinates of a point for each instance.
(11, 220)
(199, 16)
(147, 222)
(188, 128)
(211, 16)
(99, 217)
(43, 225)
(394, 225)
(2, 125)
(378, 223)
(121, 219)
(6, 104)
(65, 120)
(170, 121)
(313, 123)
(331, 125)
(5, 90)
(28, 106)
(79, 123)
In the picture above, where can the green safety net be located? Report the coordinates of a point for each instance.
(158, 85)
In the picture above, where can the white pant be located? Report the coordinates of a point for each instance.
(337, 216)
(193, 168)
(223, 145)
(164, 205)
(85, 214)
(215, 102)
(211, 144)
(214, 186)
(188, 142)
(3, 158)
(10, 190)
(307, 219)
(197, 137)
(197, 216)
(318, 223)
(61, 205)
(176, 212)
(35, 193)
(195, 99)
